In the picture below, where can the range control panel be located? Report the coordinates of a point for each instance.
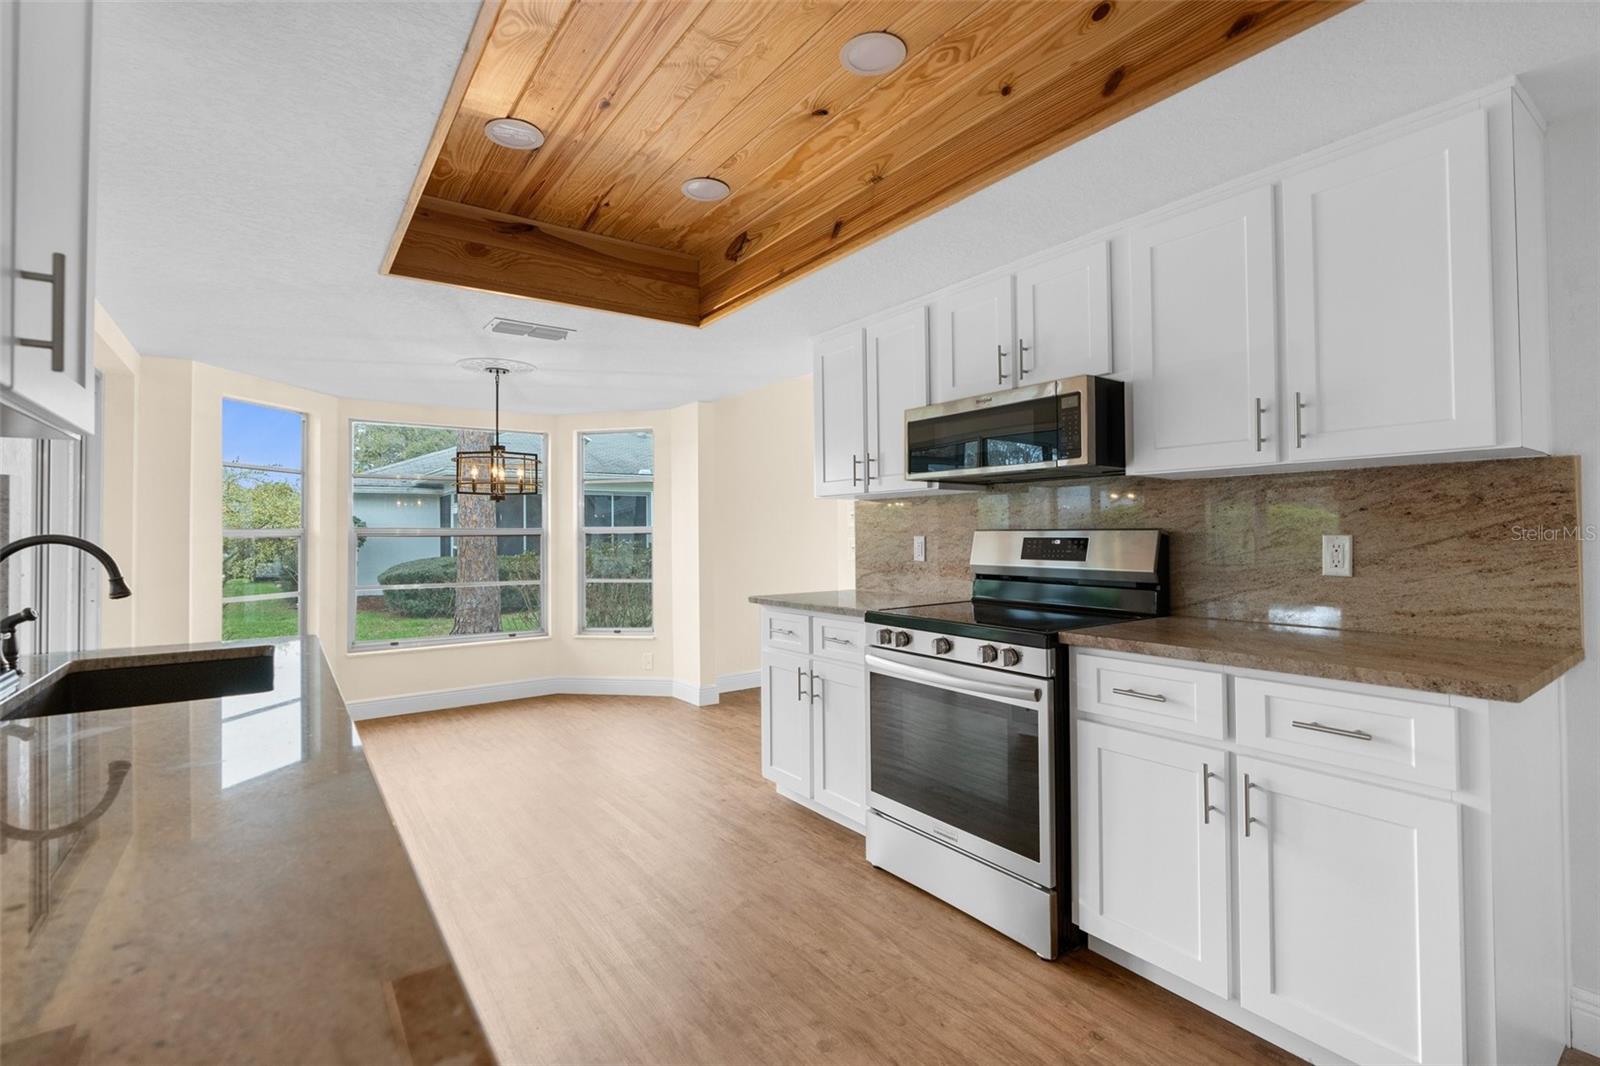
(996, 655)
(1062, 549)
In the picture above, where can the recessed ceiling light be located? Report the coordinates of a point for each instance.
(872, 53)
(514, 133)
(706, 189)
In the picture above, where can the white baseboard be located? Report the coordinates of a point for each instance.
(1586, 1020)
(698, 695)
(739, 682)
(387, 706)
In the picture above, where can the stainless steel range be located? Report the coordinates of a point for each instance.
(967, 781)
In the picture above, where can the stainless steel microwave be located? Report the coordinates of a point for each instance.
(1074, 427)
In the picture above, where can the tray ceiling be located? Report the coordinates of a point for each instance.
(636, 97)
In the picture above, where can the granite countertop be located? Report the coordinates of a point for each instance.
(1488, 670)
(209, 881)
(837, 601)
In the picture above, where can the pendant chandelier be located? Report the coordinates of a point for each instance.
(497, 473)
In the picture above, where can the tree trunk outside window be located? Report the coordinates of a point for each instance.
(477, 610)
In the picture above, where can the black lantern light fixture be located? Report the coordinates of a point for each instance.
(496, 473)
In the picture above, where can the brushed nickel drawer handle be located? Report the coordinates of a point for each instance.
(839, 640)
(779, 631)
(1318, 727)
(1136, 694)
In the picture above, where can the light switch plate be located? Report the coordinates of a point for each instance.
(919, 549)
(1338, 555)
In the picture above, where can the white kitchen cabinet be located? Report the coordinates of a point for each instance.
(1350, 921)
(1203, 373)
(814, 713)
(1064, 315)
(897, 380)
(839, 389)
(974, 340)
(786, 720)
(839, 731)
(1388, 298)
(1152, 829)
(47, 195)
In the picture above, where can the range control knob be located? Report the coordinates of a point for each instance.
(1010, 657)
(988, 653)
(885, 636)
(942, 646)
(901, 639)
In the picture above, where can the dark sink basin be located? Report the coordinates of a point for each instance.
(91, 688)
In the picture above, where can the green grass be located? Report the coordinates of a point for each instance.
(238, 586)
(261, 619)
(378, 625)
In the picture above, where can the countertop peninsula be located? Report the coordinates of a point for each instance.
(215, 880)
(1497, 670)
(849, 602)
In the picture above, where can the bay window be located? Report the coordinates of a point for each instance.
(617, 531)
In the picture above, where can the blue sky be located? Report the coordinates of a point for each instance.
(267, 436)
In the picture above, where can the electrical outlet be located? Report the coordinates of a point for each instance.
(1338, 555)
(919, 549)
(649, 660)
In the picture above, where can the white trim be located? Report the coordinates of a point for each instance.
(384, 707)
(1586, 1020)
(695, 695)
(738, 682)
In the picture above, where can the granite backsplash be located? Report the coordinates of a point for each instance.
(1485, 550)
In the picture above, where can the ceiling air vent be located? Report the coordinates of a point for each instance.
(534, 330)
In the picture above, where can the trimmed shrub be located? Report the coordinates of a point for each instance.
(433, 603)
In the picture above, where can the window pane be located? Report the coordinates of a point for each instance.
(630, 510)
(258, 566)
(391, 560)
(403, 451)
(596, 509)
(405, 479)
(616, 606)
(257, 499)
(261, 436)
(260, 619)
(614, 457)
(413, 614)
(617, 555)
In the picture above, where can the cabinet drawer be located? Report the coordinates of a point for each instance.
(786, 632)
(1397, 738)
(1151, 692)
(838, 638)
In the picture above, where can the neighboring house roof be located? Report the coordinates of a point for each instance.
(606, 456)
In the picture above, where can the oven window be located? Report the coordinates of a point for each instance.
(1011, 434)
(970, 762)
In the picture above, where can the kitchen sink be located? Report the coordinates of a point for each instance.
(91, 688)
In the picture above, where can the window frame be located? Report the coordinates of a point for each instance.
(297, 535)
(581, 511)
(354, 533)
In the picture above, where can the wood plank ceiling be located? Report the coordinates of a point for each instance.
(637, 96)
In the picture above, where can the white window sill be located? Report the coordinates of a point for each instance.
(600, 634)
(445, 645)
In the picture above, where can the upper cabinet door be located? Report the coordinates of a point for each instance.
(1350, 914)
(974, 345)
(49, 183)
(1388, 320)
(1152, 846)
(838, 387)
(1064, 316)
(897, 380)
(1203, 372)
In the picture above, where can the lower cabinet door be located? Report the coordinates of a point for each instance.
(786, 720)
(839, 738)
(1350, 914)
(1152, 840)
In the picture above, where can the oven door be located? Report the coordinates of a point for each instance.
(966, 755)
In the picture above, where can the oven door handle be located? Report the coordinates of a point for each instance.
(881, 665)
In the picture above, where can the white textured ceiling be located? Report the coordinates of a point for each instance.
(254, 158)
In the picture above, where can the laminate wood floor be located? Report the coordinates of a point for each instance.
(618, 883)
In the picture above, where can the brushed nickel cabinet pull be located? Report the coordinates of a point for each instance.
(798, 694)
(57, 280)
(1205, 794)
(1260, 410)
(1318, 727)
(1022, 358)
(855, 469)
(866, 472)
(785, 632)
(1153, 697)
(1299, 431)
(1000, 364)
(1247, 819)
(816, 693)
(838, 640)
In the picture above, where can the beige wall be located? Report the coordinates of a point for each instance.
(735, 516)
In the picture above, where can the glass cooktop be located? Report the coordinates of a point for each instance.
(1014, 623)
